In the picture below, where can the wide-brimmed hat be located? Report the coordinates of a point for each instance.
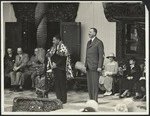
(80, 66)
(133, 58)
(111, 55)
(88, 109)
(93, 104)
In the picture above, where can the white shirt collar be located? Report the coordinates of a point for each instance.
(93, 38)
(10, 55)
(20, 55)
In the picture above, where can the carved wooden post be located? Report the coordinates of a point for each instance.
(41, 23)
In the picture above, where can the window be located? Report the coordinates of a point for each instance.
(134, 39)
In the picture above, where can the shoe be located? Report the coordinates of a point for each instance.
(15, 88)
(12, 88)
(20, 89)
(105, 93)
(109, 93)
(32, 89)
(136, 97)
(64, 102)
(122, 96)
(128, 94)
(144, 98)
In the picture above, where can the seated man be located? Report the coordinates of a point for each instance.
(20, 63)
(9, 61)
(131, 76)
(34, 63)
(140, 86)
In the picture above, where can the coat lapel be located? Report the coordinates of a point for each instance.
(94, 41)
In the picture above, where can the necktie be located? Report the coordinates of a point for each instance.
(19, 58)
(90, 41)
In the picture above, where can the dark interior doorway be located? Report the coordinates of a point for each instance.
(21, 35)
(53, 28)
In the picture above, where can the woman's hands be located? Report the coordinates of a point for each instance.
(130, 77)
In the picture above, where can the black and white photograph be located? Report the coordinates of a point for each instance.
(74, 57)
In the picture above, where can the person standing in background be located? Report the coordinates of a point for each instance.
(93, 63)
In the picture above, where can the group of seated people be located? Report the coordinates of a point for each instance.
(20, 67)
(131, 75)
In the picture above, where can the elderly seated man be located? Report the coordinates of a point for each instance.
(19, 66)
(36, 61)
(9, 61)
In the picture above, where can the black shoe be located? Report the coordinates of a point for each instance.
(64, 102)
(137, 97)
(11, 89)
(19, 90)
(32, 89)
(15, 88)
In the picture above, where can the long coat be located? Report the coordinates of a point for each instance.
(135, 72)
(94, 54)
(9, 63)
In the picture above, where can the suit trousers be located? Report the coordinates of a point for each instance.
(15, 77)
(29, 73)
(93, 84)
(60, 84)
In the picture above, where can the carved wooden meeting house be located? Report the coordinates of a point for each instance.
(121, 27)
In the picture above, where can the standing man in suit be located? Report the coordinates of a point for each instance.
(20, 63)
(93, 63)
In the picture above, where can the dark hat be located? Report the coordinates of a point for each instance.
(111, 55)
(88, 109)
(133, 58)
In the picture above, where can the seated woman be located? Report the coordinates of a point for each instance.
(130, 77)
(110, 70)
(140, 87)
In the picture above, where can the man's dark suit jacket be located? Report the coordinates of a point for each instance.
(94, 54)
